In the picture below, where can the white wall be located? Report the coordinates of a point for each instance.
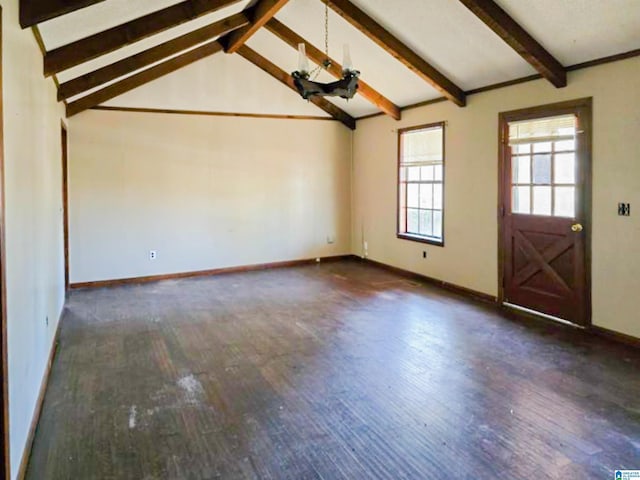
(469, 258)
(35, 275)
(205, 192)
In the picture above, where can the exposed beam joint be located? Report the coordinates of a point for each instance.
(143, 59)
(399, 50)
(114, 38)
(293, 39)
(139, 79)
(33, 12)
(517, 38)
(282, 76)
(260, 14)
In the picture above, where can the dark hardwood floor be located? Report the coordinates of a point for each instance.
(336, 371)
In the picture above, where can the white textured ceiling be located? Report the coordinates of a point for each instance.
(99, 17)
(576, 31)
(141, 45)
(451, 38)
(443, 32)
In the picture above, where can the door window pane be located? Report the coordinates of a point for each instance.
(565, 202)
(542, 169)
(522, 169)
(542, 200)
(565, 168)
(565, 145)
(542, 147)
(521, 200)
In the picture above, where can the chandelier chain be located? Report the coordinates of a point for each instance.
(326, 28)
(316, 71)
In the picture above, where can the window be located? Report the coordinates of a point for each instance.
(543, 171)
(421, 183)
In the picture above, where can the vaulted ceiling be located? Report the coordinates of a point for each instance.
(235, 56)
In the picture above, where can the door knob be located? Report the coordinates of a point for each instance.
(576, 227)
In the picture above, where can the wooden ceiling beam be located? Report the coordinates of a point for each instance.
(517, 38)
(260, 14)
(282, 76)
(293, 39)
(114, 38)
(33, 12)
(399, 50)
(139, 79)
(143, 59)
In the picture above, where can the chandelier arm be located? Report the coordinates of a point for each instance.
(305, 83)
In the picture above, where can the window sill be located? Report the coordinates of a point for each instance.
(418, 238)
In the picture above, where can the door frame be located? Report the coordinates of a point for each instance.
(64, 140)
(5, 466)
(583, 108)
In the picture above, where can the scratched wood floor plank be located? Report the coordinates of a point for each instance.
(332, 371)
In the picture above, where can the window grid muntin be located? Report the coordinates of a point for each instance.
(553, 185)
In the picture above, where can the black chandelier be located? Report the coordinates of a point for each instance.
(346, 87)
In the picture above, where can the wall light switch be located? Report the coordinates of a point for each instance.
(624, 209)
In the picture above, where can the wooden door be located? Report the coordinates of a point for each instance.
(545, 209)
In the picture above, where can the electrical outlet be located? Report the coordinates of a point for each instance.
(331, 239)
(624, 209)
(153, 254)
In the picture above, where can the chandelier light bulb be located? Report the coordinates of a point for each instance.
(347, 64)
(303, 61)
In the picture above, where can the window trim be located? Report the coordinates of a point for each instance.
(410, 236)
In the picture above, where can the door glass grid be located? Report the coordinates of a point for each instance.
(543, 166)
